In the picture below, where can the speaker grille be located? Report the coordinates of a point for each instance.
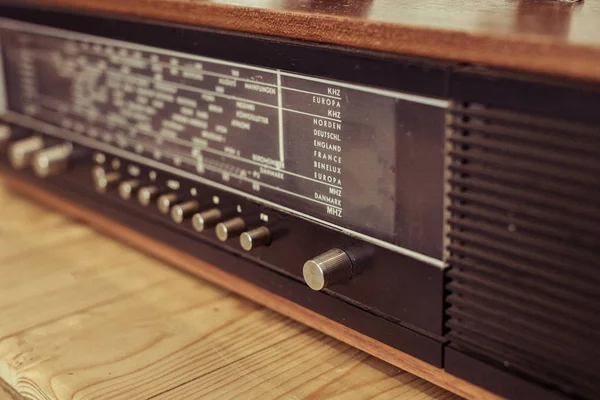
(524, 244)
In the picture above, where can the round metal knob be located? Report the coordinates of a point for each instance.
(147, 194)
(183, 211)
(206, 219)
(166, 201)
(254, 238)
(330, 268)
(52, 161)
(21, 152)
(126, 188)
(230, 228)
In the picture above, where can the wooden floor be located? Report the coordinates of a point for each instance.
(85, 317)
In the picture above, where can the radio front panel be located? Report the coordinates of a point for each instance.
(313, 162)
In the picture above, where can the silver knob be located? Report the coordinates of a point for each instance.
(206, 219)
(126, 188)
(147, 194)
(104, 180)
(230, 228)
(21, 152)
(52, 161)
(183, 211)
(166, 201)
(327, 269)
(254, 238)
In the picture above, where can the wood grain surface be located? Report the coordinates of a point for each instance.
(558, 37)
(8, 393)
(86, 317)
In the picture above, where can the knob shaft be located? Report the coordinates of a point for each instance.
(52, 161)
(230, 228)
(327, 269)
(148, 194)
(182, 211)
(254, 238)
(206, 219)
(166, 201)
(20, 153)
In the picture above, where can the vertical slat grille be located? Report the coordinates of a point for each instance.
(524, 245)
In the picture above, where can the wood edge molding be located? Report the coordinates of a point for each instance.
(529, 53)
(261, 296)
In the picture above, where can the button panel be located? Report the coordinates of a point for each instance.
(270, 238)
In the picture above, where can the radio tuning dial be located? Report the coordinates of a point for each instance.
(53, 160)
(251, 239)
(230, 228)
(206, 219)
(183, 211)
(20, 153)
(327, 269)
(166, 201)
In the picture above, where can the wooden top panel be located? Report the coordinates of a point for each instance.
(545, 36)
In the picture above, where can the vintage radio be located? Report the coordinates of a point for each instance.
(420, 182)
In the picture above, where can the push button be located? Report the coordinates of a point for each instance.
(254, 238)
(166, 201)
(206, 219)
(53, 160)
(20, 153)
(231, 228)
(183, 211)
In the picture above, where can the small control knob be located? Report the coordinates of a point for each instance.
(21, 152)
(260, 236)
(230, 228)
(148, 194)
(206, 219)
(105, 180)
(327, 269)
(127, 188)
(166, 201)
(52, 161)
(183, 211)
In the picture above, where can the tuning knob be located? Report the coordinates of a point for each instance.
(182, 211)
(206, 219)
(103, 180)
(230, 228)
(52, 161)
(260, 236)
(148, 194)
(327, 269)
(127, 188)
(166, 201)
(21, 152)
